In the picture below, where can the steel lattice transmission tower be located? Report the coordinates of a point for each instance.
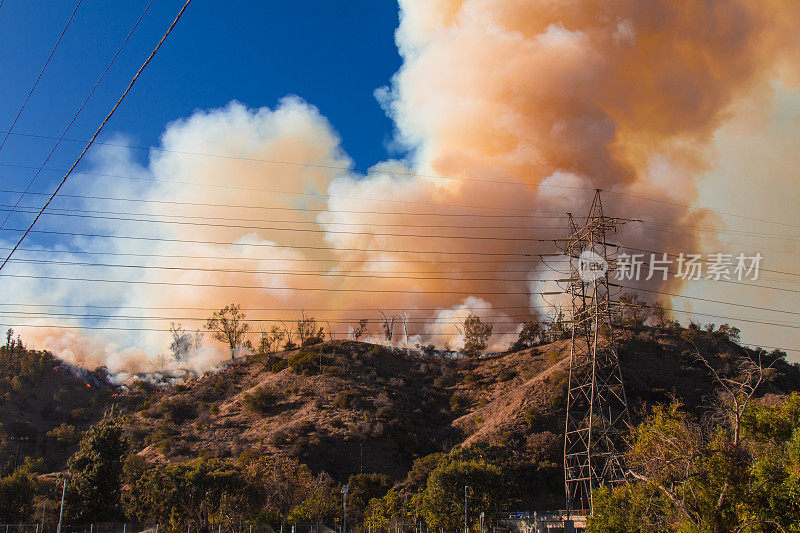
(597, 409)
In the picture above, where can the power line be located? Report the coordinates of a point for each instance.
(416, 174)
(293, 272)
(41, 73)
(323, 274)
(8, 314)
(99, 129)
(320, 319)
(668, 254)
(150, 308)
(344, 334)
(309, 165)
(311, 230)
(292, 193)
(784, 311)
(250, 320)
(525, 258)
(97, 214)
(465, 237)
(716, 212)
(729, 242)
(262, 259)
(86, 212)
(89, 213)
(359, 274)
(77, 113)
(266, 287)
(271, 245)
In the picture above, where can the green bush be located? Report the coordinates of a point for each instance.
(458, 402)
(345, 399)
(276, 364)
(82, 414)
(179, 410)
(261, 400)
(533, 417)
(304, 362)
(64, 435)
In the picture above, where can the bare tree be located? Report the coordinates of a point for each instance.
(270, 341)
(733, 395)
(672, 453)
(359, 329)
(197, 341)
(289, 334)
(181, 342)
(307, 330)
(404, 318)
(388, 326)
(159, 362)
(228, 325)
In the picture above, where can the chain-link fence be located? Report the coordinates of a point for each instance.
(130, 527)
(102, 527)
(20, 528)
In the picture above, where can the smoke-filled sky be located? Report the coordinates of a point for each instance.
(414, 160)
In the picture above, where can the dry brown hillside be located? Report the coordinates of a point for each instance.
(347, 406)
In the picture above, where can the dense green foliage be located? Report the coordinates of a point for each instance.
(202, 492)
(94, 488)
(443, 498)
(16, 496)
(19, 365)
(741, 474)
(195, 492)
(363, 488)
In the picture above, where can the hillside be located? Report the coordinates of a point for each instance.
(373, 409)
(345, 407)
(47, 403)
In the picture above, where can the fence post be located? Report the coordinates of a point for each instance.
(124, 524)
(61, 512)
(156, 528)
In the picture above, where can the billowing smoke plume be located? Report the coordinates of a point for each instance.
(513, 112)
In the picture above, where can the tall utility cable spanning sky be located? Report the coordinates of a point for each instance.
(102, 124)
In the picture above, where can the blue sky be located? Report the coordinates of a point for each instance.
(332, 54)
